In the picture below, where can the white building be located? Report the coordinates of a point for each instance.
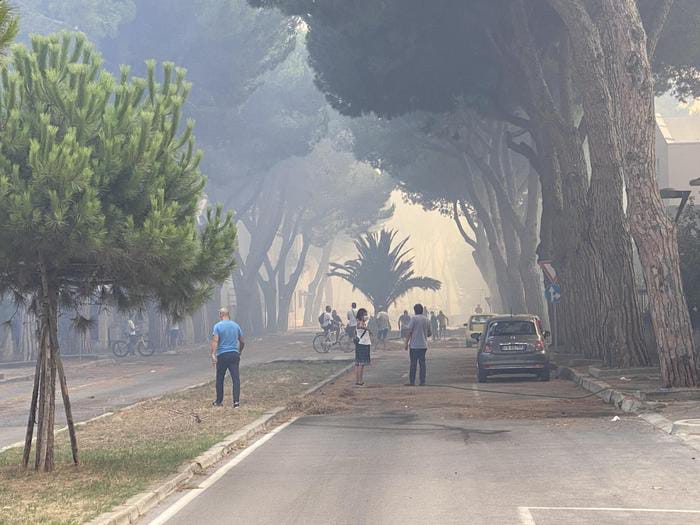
(678, 152)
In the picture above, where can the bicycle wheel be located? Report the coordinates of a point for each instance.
(120, 348)
(346, 345)
(321, 345)
(144, 348)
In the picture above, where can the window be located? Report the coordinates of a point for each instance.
(504, 328)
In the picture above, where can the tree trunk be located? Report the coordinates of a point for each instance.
(32, 409)
(287, 288)
(315, 286)
(625, 47)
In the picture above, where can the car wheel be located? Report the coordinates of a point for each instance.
(483, 376)
(544, 374)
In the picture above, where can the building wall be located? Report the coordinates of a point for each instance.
(662, 168)
(683, 165)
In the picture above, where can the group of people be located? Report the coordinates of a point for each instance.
(332, 323)
(227, 342)
(415, 331)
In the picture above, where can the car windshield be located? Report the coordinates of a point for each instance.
(479, 318)
(500, 328)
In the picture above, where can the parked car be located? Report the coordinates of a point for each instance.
(513, 344)
(476, 324)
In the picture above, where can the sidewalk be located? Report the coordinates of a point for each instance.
(637, 391)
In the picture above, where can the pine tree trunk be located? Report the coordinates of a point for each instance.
(314, 287)
(32, 412)
(631, 92)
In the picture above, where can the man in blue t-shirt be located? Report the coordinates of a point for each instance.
(226, 348)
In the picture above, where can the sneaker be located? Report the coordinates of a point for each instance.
(236, 404)
(215, 404)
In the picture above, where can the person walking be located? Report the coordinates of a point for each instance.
(417, 344)
(383, 327)
(226, 349)
(351, 327)
(442, 324)
(478, 309)
(363, 342)
(434, 326)
(403, 323)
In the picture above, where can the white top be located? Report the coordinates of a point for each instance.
(352, 317)
(364, 336)
(132, 327)
(327, 319)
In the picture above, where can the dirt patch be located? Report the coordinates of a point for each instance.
(123, 454)
(453, 392)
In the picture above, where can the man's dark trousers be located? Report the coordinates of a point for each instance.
(228, 361)
(417, 357)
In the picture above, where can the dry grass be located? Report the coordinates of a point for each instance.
(122, 455)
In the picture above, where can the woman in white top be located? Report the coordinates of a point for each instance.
(362, 345)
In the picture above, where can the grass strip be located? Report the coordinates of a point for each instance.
(126, 453)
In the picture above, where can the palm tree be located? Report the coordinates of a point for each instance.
(382, 273)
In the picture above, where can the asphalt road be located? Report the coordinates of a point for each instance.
(424, 461)
(99, 388)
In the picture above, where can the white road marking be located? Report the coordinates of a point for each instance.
(176, 507)
(526, 517)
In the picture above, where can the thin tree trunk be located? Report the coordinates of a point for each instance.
(32, 412)
(315, 284)
(287, 288)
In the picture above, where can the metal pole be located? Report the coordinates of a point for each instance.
(556, 328)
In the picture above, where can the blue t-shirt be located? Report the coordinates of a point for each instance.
(228, 332)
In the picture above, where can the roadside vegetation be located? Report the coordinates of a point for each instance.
(121, 455)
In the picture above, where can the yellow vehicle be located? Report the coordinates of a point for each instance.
(476, 325)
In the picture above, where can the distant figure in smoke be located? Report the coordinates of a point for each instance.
(434, 326)
(351, 328)
(442, 322)
(383, 327)
(478, 309)
(337, 324)
(417, 344)
(403, 324)
(363, 343)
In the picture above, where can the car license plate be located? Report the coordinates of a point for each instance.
(511, 348)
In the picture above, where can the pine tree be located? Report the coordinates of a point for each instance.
(100, 192)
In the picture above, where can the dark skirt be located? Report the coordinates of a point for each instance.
(362, 354)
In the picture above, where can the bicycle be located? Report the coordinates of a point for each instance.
(120, 348)
(324, 341)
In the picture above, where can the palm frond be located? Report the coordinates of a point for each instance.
(383, 270)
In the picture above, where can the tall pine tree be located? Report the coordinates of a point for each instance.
(100, 193)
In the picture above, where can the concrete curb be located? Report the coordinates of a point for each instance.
(136, 506)
(626, 403)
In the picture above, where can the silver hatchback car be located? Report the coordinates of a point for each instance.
(513, 344)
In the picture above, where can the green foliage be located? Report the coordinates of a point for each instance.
(689, 250)
(100, 183)
(9, 24)
(382, 272)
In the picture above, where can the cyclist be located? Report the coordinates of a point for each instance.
(131, 331)
(326, 322)
(337, 323)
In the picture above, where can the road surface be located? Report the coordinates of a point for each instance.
(101, 387)
(402, 455)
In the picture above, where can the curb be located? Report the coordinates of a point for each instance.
(626, 403)
(136, 506)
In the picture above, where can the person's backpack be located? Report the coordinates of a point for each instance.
(321, 318)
